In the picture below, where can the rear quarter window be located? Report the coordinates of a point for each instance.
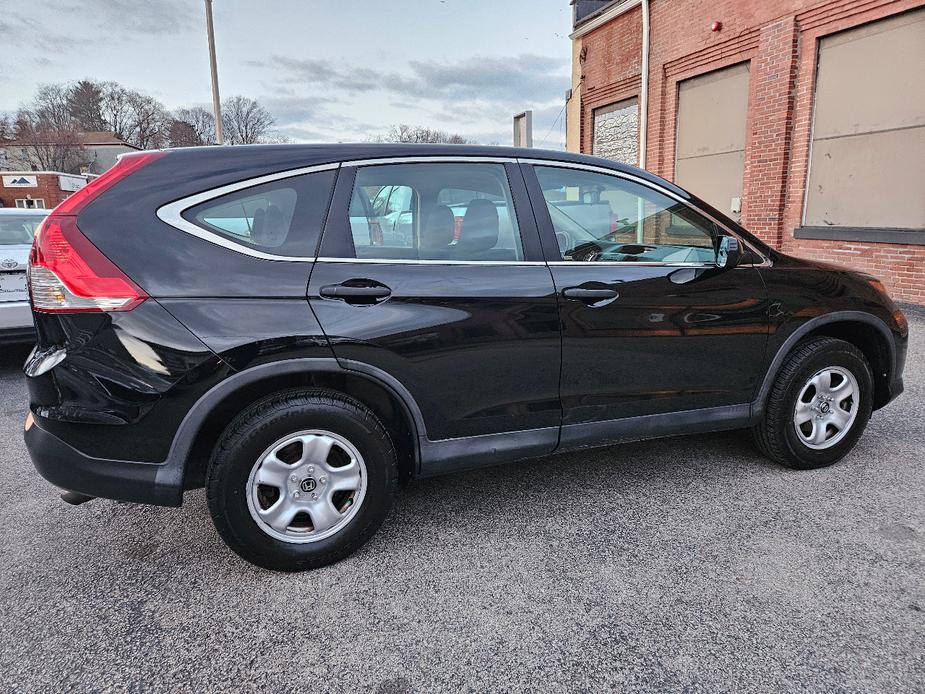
(282, 217)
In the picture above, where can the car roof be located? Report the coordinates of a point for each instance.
(325, 153)
(362, 151)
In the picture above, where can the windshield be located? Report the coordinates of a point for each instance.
(16, 230)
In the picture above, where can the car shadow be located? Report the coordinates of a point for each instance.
(431, 508)
(12, 357)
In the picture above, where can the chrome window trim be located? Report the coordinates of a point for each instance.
(652, 186)
(625, 263)
(172, 213)
(412, 261)
(437, 159)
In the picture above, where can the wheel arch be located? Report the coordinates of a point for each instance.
(863, 330)
(207, 418)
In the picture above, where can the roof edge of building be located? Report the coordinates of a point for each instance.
(602, 16)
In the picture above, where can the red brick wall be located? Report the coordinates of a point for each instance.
(779, 38)
(47, 190)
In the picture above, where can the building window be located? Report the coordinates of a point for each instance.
(868, 142)
(710, 159)
(30, 203)
(616, 132)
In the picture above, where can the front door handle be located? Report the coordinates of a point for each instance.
(356, 293)
(590, 296)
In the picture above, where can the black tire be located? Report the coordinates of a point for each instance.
(776, 436)
(259, 427)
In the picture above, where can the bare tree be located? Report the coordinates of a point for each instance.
(41, 145)
(116, 108)
(244, 121)
(85, 104)
(52, 108)
(182, 134)
(6, 127)
(421, 134)
(192, 127)
(149, 121)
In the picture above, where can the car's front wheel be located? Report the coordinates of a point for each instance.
(819, 405)
(301, 479)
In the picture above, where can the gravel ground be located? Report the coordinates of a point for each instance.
(683, 564)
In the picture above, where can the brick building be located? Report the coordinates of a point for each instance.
(37, 189)
(803, 119)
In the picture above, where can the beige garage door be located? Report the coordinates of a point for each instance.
(867, 167)
(710, 159)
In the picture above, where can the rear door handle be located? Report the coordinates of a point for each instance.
(353, 294)
(590, 296)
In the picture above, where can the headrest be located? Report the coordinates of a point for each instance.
(438, 230)
(269, 227)
(480, 227)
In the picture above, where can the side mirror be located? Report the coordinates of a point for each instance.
(728, 252)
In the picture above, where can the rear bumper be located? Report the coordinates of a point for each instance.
(16, 322)
(69, 469)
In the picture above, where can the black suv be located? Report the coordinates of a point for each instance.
(301, 329)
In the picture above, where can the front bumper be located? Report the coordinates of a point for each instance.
(69, 469)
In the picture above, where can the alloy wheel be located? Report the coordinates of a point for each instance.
(826, 407)
(307, 486)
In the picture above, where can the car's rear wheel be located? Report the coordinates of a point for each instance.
(819, 405)
(301, 479)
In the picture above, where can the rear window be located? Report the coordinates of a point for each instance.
(281, 217)
(17, 230)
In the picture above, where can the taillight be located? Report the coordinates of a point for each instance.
(67, 273)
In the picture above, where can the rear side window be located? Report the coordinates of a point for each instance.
(461, 212)
(282, 217)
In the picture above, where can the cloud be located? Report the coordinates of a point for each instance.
(25, 32)
(136, 16)
(529, 78)
(319, 72)
(296, 109)
(474, 95)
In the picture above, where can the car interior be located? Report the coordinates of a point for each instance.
(451, 213)
(600, 218)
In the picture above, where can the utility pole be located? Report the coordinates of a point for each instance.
(216, 101)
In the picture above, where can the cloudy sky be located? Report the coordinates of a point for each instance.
(328, 70)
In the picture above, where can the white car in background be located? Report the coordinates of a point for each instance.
(17, 227)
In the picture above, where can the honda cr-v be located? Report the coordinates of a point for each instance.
(256, 320)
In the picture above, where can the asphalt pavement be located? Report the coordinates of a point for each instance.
(687, 564)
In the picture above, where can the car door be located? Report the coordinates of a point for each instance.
(468, 327)
(651, 324)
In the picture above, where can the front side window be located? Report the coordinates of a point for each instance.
(281, 217)
(461, 212)
(598, 217)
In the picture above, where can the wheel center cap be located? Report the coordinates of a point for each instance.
(308, 484)
(824, 408)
